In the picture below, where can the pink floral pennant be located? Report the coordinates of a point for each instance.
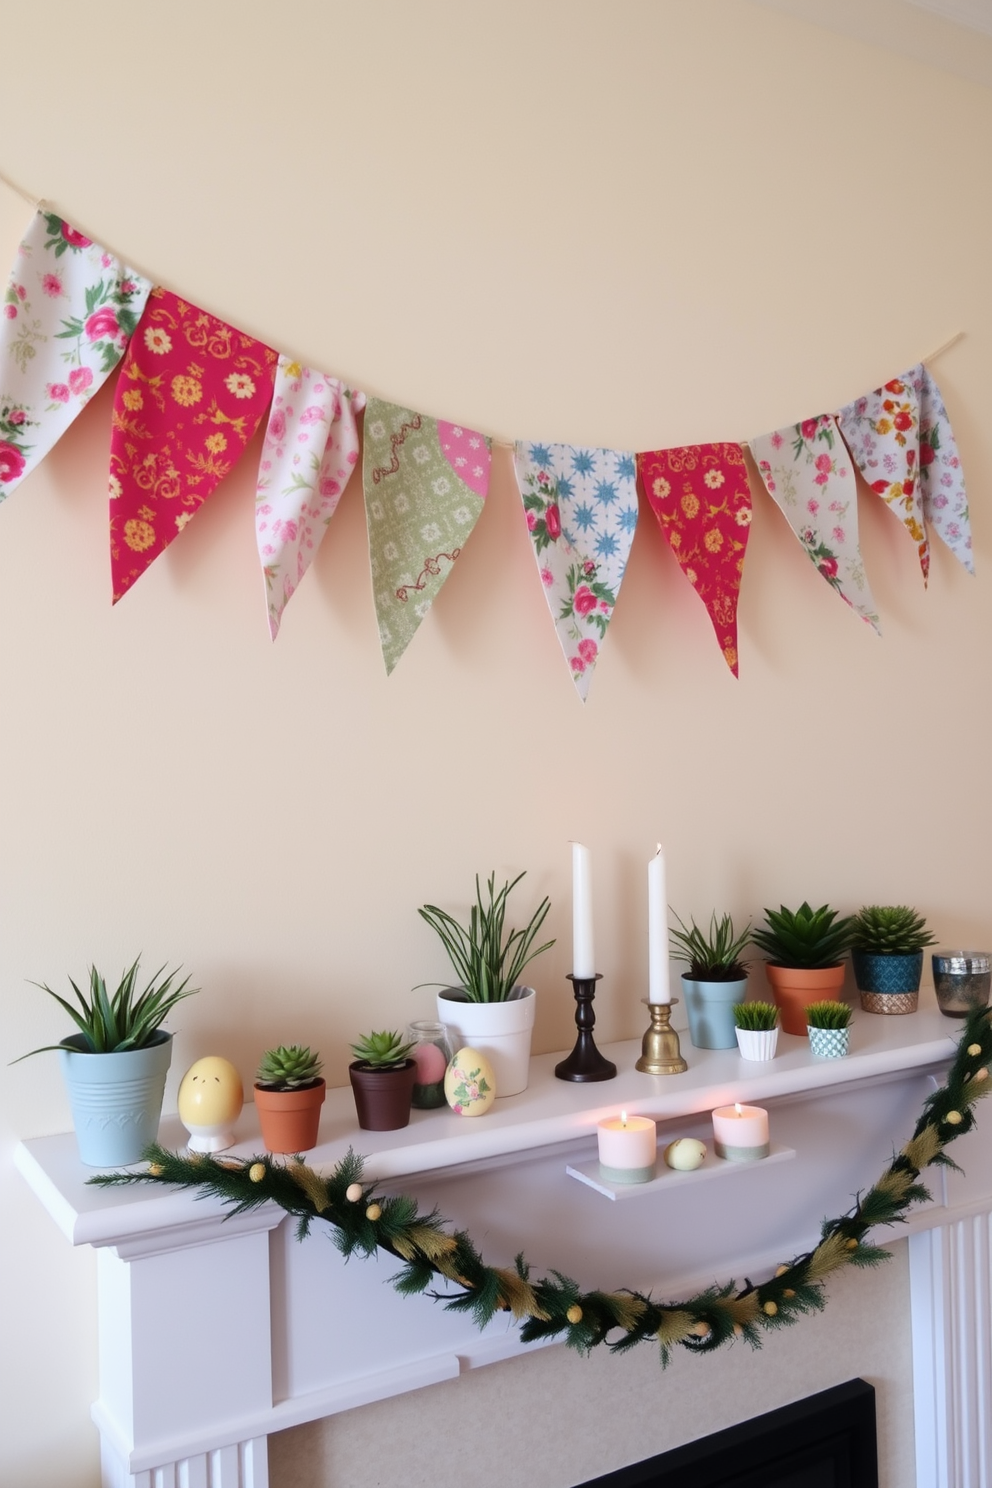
(581, 508)
(882, 431)
(808, 473)
(310, 450)
(69, 311)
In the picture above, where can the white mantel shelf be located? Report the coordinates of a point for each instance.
(304, 1333)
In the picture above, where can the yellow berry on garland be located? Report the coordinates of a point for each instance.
(155, 1170)
(953, 1118)
(852, 1244)
(770, 1308)
(256, 1172)
(974, 1050)
(353, 1193)
(373, 1212)
(574, 1313)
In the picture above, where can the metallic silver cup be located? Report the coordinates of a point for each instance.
(961, 980)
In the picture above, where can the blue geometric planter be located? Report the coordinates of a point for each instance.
(888, 984)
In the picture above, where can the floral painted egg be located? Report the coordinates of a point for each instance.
(210, 1101)
(469, 1083)
(685, 1154)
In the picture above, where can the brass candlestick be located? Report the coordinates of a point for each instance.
(660, 1052)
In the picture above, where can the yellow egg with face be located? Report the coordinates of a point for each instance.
(210, 1101)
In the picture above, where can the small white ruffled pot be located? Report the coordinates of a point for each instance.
(757, 1043)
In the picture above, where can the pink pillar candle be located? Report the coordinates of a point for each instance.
(628, 1148)
(740, 1133)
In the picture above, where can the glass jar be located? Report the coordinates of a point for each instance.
(432, 1052)
(961, 981)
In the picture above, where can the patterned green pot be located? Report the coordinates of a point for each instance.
(829, 1043)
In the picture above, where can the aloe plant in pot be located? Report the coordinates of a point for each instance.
(804, 950)
(382, 1076)
(116, 1063)
(887, 947)
(716, 979)
(289, 1092)
(489, 1009)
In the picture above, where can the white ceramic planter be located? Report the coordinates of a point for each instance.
(757, 1043)
(500, 1030)
(116, 1099)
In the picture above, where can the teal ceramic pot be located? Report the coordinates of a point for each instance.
(116, 1099)
(710, 1006)
(830, 1043)
(888, 984)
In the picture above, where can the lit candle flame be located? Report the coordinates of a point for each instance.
(623, 1118)
(737, 1108)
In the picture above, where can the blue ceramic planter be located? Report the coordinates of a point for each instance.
(888, 974)
(116, 1098)
(710, 1006)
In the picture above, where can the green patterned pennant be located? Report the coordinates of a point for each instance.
(425, 483)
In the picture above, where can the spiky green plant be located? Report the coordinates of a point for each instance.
(759, 1017)
(289, 1067)
(804, 937)
(828, 1015)
(889, 930)
(381, 1050)
(487, 960)
(110, 1023)
(715, 957)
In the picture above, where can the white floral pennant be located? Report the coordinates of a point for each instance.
(808, 472)
(581, 507)
(882, 431)
(945, 503)
(310, 450)
(69, 311)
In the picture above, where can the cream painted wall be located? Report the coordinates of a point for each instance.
(636, 226)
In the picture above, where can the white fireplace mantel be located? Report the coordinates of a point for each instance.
(216, 1332)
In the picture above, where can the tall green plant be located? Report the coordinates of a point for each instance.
(110, 1023)
(715, 957)
(804, 937)
(486, 958)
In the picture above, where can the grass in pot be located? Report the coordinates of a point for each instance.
(756, 1025)
(828, 1024)
(289, 1092)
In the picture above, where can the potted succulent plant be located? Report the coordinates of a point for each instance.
(115, 1065)
(828, 1026)
(489, 1009)
(382, 1077)
(716, 979)
(804, 950)
(289, 1092)
(887, 946)
(756, 1026)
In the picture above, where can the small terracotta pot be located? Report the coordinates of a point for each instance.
(290, 1119)
(795, 987)
(383, 1096)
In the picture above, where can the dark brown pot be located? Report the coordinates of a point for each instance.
(290, 1119)
(382, 1096)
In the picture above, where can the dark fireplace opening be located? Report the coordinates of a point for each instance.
(825, 1441)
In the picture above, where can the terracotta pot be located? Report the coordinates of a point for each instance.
(795, 987)
(382, 1096)
(290, 1119)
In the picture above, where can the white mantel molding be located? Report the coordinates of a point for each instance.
(289, 1324)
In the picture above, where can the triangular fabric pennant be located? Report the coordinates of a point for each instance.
(310, 450)
(581, 507)
(69, 311)
(945, 502)
(425, 484)
(882, 431)
(701, 497)
(190, 395)
(808, 473)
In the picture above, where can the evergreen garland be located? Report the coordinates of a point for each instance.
(364, 1221)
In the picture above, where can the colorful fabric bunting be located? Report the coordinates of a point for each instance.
(425, 484)
(581, 507)
(882, 431)
(945, 504)
(701, 497)
(808, 472)
(69, 312)
(311, 448)
(190, 396)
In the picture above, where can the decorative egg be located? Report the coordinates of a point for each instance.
(685, 1154)
(210, 1101)
(469, 1083)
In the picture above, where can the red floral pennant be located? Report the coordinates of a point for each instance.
(190, 395)
(701, 497)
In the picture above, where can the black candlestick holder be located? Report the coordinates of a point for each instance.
(585, 1063)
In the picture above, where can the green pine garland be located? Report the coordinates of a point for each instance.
(365, 1221)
